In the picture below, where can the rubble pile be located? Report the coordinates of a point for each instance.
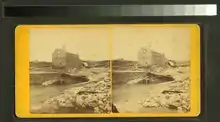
(179, 92)
(175, 97)
(94, 96)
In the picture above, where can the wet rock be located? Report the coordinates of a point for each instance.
(114, 109)
(138, 81)
(66, 79)
(53, 82)
(159, 78)
(170, 92)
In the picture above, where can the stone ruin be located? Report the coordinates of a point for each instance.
(148, 57)
(63, 59)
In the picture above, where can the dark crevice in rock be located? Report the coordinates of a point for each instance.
(114, 109)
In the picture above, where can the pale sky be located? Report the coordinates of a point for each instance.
(89, 43)
(174, 42)
(92, 43)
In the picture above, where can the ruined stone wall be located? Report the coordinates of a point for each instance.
(59, 58)
(73, 61)
(158, 59)
(147, 57)
(63, 59)
(144, 57)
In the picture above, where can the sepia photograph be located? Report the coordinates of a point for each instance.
(151, 69)
(69, 70)
(113, 70)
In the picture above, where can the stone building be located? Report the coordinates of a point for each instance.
(63, 59)
(148, 57)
